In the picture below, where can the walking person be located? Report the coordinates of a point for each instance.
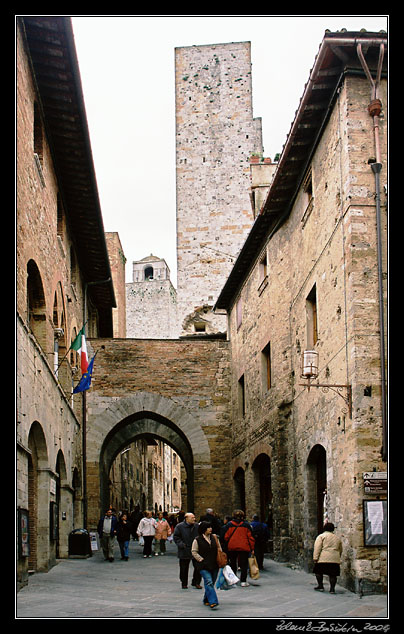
(123, 533)
(184, 534)
(240, 543)
(147, 529)
(204, 551)
(163, 531)
(260, 533)
(107, 527)
(210, 516)
(327, 557)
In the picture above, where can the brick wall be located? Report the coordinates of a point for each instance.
(185, 387)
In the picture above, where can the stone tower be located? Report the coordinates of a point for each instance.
(215, 137)
(151, 301)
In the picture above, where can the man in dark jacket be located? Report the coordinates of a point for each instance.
(107, 531)
(184, 534)
(260, 533)
(212, 519)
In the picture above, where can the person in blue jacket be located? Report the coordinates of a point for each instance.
(260, 533)
(107, 527)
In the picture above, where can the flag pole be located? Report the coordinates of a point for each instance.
(84, 452)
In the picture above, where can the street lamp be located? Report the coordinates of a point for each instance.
(309, 372)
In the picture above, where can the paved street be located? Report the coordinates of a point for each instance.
(150, 589)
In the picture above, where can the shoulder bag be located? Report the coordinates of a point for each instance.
(221, 557)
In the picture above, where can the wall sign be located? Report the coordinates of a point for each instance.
(375, 482)
(375, 522)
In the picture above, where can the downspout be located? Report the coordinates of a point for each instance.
(374, 109)
(84, 412)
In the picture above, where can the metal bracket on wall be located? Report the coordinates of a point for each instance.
(334, 388)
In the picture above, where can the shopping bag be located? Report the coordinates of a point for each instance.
(141, 541)
(229, 575)
(221, 583)
(253, 566)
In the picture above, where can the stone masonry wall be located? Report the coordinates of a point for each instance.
(331, 246)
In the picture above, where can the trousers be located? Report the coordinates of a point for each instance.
(107, 545)
(209, 577)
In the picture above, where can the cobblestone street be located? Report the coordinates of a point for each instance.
(150, 589)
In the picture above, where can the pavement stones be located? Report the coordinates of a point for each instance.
(91, 588)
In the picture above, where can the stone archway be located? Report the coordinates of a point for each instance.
(120, 421)
(144, 424)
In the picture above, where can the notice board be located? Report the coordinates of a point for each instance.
(375, 522)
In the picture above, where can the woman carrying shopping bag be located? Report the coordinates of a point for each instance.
(204, 551)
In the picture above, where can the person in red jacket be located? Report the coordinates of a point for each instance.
(240, 543)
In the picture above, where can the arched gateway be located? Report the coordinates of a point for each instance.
(166, 389)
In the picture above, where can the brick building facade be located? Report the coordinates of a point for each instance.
(61, 253)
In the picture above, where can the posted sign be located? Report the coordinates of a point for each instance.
(375, 482)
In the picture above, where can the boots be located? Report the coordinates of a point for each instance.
(333, 581)
(320, 586)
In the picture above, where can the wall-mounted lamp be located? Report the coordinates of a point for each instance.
(310, 372)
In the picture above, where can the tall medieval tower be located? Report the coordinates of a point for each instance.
(215, 137)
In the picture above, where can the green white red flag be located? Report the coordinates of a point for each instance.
(80, 345)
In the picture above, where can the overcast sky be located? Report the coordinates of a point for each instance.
(127, 73)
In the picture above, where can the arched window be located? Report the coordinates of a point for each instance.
(148, 273)
(36, 304)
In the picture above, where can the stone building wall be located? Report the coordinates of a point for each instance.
(117, 262)
(48, 438)
(330, 246)
(215, 136)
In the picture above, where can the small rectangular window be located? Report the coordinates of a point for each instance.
(311, 318)
(239, 312)
(241, 396)
(263, 273)
(266, 367)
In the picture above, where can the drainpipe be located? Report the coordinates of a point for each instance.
(374, 110)
(84, 413)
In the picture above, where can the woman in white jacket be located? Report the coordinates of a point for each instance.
(147, 530)
(327, 557)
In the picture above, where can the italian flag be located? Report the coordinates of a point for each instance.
(79, 344)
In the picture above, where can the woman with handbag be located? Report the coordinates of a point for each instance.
(240, 543)
(205, 552)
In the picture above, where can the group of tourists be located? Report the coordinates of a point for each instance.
(210, 544)
(142, 526)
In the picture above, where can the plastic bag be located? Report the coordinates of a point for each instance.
(221, 583)
(141, 541)
(229, 575)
